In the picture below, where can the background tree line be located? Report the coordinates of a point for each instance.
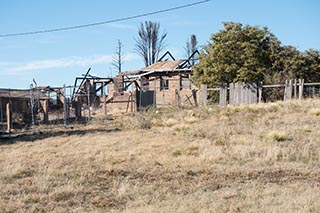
(252, 54)
(235, 53)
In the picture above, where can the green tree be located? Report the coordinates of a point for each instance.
(237, 53)
(287, 63)
(311, 66)
(252, 54)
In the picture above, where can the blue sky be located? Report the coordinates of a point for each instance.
(57, 58)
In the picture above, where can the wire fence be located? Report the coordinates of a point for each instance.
(29, 108)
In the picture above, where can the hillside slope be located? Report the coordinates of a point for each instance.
(221, 159)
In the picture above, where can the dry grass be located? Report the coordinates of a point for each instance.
(259, 158)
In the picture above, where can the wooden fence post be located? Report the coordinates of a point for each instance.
(260, 88)
(204, 94)
(131, 102)
(301, 84)
(46, 111)
(1, 114)
(313, 91)
(223, 94)
(244, 93)
(285, 90)
(64, 106)
(288, 90)
(253, 93)
(295, 88)
(104, 99)
(231, 93)
(238, 92)
(9, 117)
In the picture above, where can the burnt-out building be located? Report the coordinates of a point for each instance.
(164, 83)
(21, 106)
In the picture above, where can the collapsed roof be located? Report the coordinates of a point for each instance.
(164, 67)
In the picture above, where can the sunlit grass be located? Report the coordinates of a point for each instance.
(257, 158)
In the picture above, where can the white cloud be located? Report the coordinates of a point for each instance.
(75, 61)
(59, 63)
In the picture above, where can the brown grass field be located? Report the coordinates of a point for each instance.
(258, 158)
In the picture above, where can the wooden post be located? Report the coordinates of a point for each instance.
(285, 90)
(245, 93)
(288, 90)
(301, 85)
(78, 109)
(313, 91)
(260, 89)
(131, 102)
(89, 101)
(32, 106)
(9, 117)
(253, 93)
(64, 106)
(238, 93)
(223, 94)
(231, 93)
(134, 100)
(204, 94)
(1, 114)
(46, 111)
(235, 93)
(155, 93)
(295, 88)
(104, 100)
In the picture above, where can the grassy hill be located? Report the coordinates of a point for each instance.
(259, 158)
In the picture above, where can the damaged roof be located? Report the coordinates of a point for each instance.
(163, 66)
(168, 66)
(160, 66)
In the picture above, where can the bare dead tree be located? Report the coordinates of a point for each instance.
(118, 58)
(188, 49)
(191, 47)
(150, 42)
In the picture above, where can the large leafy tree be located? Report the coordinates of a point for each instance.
(150, 42)
(237, 53)
(251, 54)
(311, 66)
(286, 64)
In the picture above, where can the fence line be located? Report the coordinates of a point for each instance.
(249, 93)
(55, 105)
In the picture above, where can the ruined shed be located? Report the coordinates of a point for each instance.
(166, 82)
